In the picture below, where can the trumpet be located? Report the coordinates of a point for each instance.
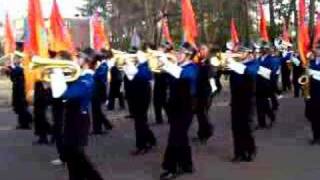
(221, 59)
(71, 70)
(153, 57)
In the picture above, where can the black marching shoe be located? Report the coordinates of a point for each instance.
(27, 127)
(314, 142)
(168, 175)
(41, 141)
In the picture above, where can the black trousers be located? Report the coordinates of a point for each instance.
(144, 136)
(243, 140)
(24, 117)
(129, 95)
(42, 126)
(178, 152)
(202, 112)
(312, 110)
(285, 74)
(98, 117)
(57, 128)
(79, 165)
(115, 92)
(264, 109)
(159, 103)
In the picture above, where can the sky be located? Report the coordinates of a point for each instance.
(18, 8)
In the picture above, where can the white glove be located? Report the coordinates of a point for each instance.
(141, 57)
(111, 63)
(164, 59)
(237, 67)
(315, 74)
(130, 70)
(284, 53)
(214, 61)
(264, 72)
(172, 69)
(295, 61)
(213, 85)
(58, 83)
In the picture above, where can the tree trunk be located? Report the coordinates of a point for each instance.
(272, 19)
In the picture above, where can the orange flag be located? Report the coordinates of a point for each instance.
(9, 39)
(166, 31)
(263, 24)
(234, 32)
(303, 34)
(99, 40)
(35, 43)
(189, 23)
(59, 35)
(317, 31)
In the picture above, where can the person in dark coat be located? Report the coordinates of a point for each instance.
(128, 89)
(242, 84)
(100, 94)
(140, 76)
(182, 87)
(40, 107)
(297, 72)
(265, 90)
(313, 103)
(206, 86)
(115, 88)
(160, 89)
(19, 101)
(57, 107)
(77, 119)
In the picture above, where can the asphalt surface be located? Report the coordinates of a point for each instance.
(283, 152)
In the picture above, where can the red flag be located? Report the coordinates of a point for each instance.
(99, 40)
(263, 24)
(285, 33)
(35, 43)
(166, 31)
(189, 22)
(59, 35)
(317, 31)
(9, 39)
(234, 33)
(303, 34)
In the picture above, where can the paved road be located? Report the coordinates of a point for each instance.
(284, 153)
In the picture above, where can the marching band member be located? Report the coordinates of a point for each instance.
(100, 93)
(182, 85)
(242, 84)
(77, 121)
(128, 88)
(286, 70)
(297, 72)
(265, 90)
(115, 88)
(19, 101)
(57, 106)
(40, 106)
(206, 86)
(140, 87)
(313, 104)
(160, 89)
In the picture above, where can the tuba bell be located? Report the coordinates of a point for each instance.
(71, 70)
